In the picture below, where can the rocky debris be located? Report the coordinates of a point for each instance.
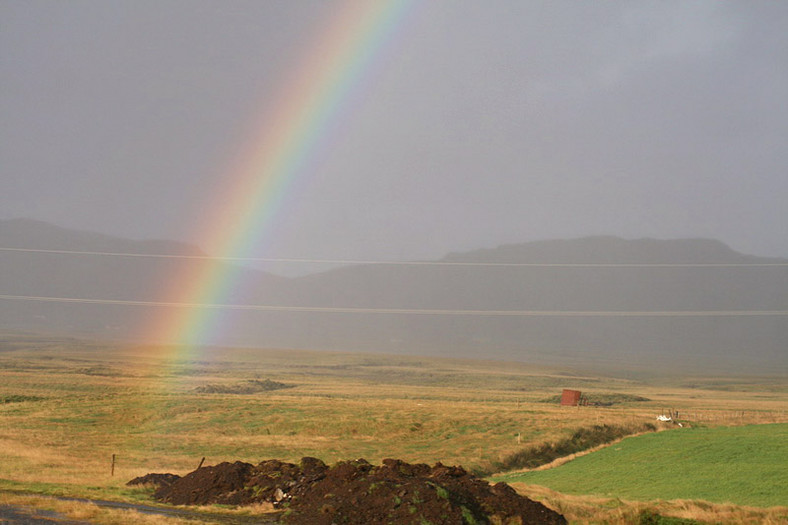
(160, 480)
(355, 492)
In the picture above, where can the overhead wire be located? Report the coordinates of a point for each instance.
(399, 311)
(409, 311)
(395, 263)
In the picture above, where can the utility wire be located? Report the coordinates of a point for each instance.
(408, 311)
(399, 263)
(401, 311)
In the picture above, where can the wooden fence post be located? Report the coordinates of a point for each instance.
(112, 468)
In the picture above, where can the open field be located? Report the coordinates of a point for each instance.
(746, 465)
(68, 406)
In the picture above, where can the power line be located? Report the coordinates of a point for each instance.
(397, 263)
(408, 311)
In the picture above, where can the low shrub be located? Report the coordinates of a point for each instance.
(603, 399)
(582, 439)
(16, 398)
(251, 386)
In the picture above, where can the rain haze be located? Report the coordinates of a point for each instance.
(325, 244)
(474, 125)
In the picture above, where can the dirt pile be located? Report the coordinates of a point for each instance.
(154, 479)
(352, 492)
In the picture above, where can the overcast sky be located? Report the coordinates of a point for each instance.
(481, 122)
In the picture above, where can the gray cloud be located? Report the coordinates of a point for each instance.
(480, 123)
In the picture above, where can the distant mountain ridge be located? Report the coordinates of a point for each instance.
(613, 250)
(33, 234)
(740, 342)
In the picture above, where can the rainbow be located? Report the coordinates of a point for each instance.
(291, 134)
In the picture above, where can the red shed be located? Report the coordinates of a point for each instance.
(570, 398)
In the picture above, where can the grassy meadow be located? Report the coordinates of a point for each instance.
(67, 406)
(745, 465)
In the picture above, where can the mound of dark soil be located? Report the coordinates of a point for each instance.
(160, 480)
(251, 386)
(355, 492)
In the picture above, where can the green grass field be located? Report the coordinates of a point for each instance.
(746, 465)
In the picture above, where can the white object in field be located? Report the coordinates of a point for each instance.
(663, 418)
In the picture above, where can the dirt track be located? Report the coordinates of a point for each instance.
(25, 515)
(22, 515)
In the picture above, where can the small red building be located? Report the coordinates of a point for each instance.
(570, 398)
